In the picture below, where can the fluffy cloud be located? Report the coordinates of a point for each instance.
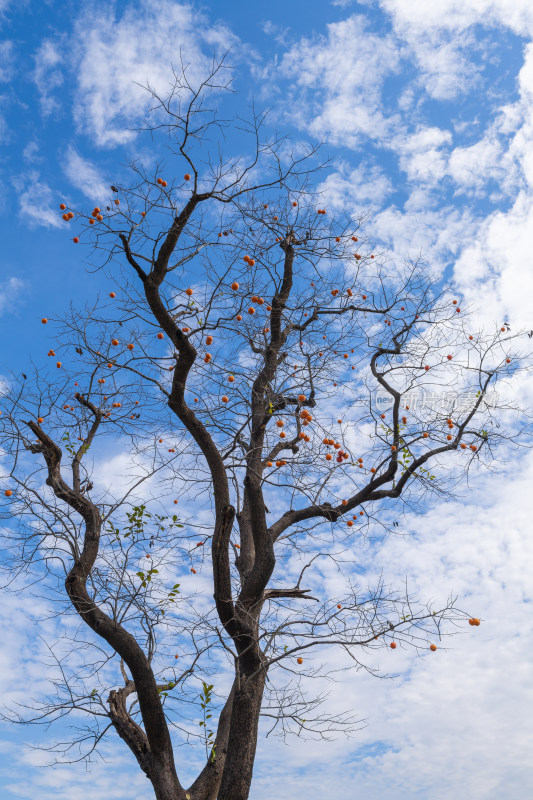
(48, 75)
(435, 233)
(115, 56)
(345, 71)
(36, 201)
(84, 176)
(471, 167)
(9, 292)
(347, 188)
(495, 270)
(6, 61)
(416, 17)
(421, 154)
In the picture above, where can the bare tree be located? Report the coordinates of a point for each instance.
(293, 391)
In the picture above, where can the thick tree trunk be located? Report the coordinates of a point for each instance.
(165, 781)
(238, 769)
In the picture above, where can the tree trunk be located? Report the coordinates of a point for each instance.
(165, 781)
(238, 769)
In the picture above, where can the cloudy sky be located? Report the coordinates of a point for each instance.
(426, 110)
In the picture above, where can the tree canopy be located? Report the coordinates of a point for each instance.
(257, 398)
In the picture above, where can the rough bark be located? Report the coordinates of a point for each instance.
(238, 770)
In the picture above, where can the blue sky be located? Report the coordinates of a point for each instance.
(427, 114)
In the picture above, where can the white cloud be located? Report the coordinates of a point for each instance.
(31, 152)
(495, 270)
(9, 292)
(113, 55)
(7, 60)
(416, 17)
(471, 167)
(84, 176)
(348, 188)
(116, 779)
(445, 69)
(438, 234)
(278, 32)
(421, 154)
(36, 201)
(345, 71)
(48, 74)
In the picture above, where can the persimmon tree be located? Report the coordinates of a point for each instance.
(270, 393)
